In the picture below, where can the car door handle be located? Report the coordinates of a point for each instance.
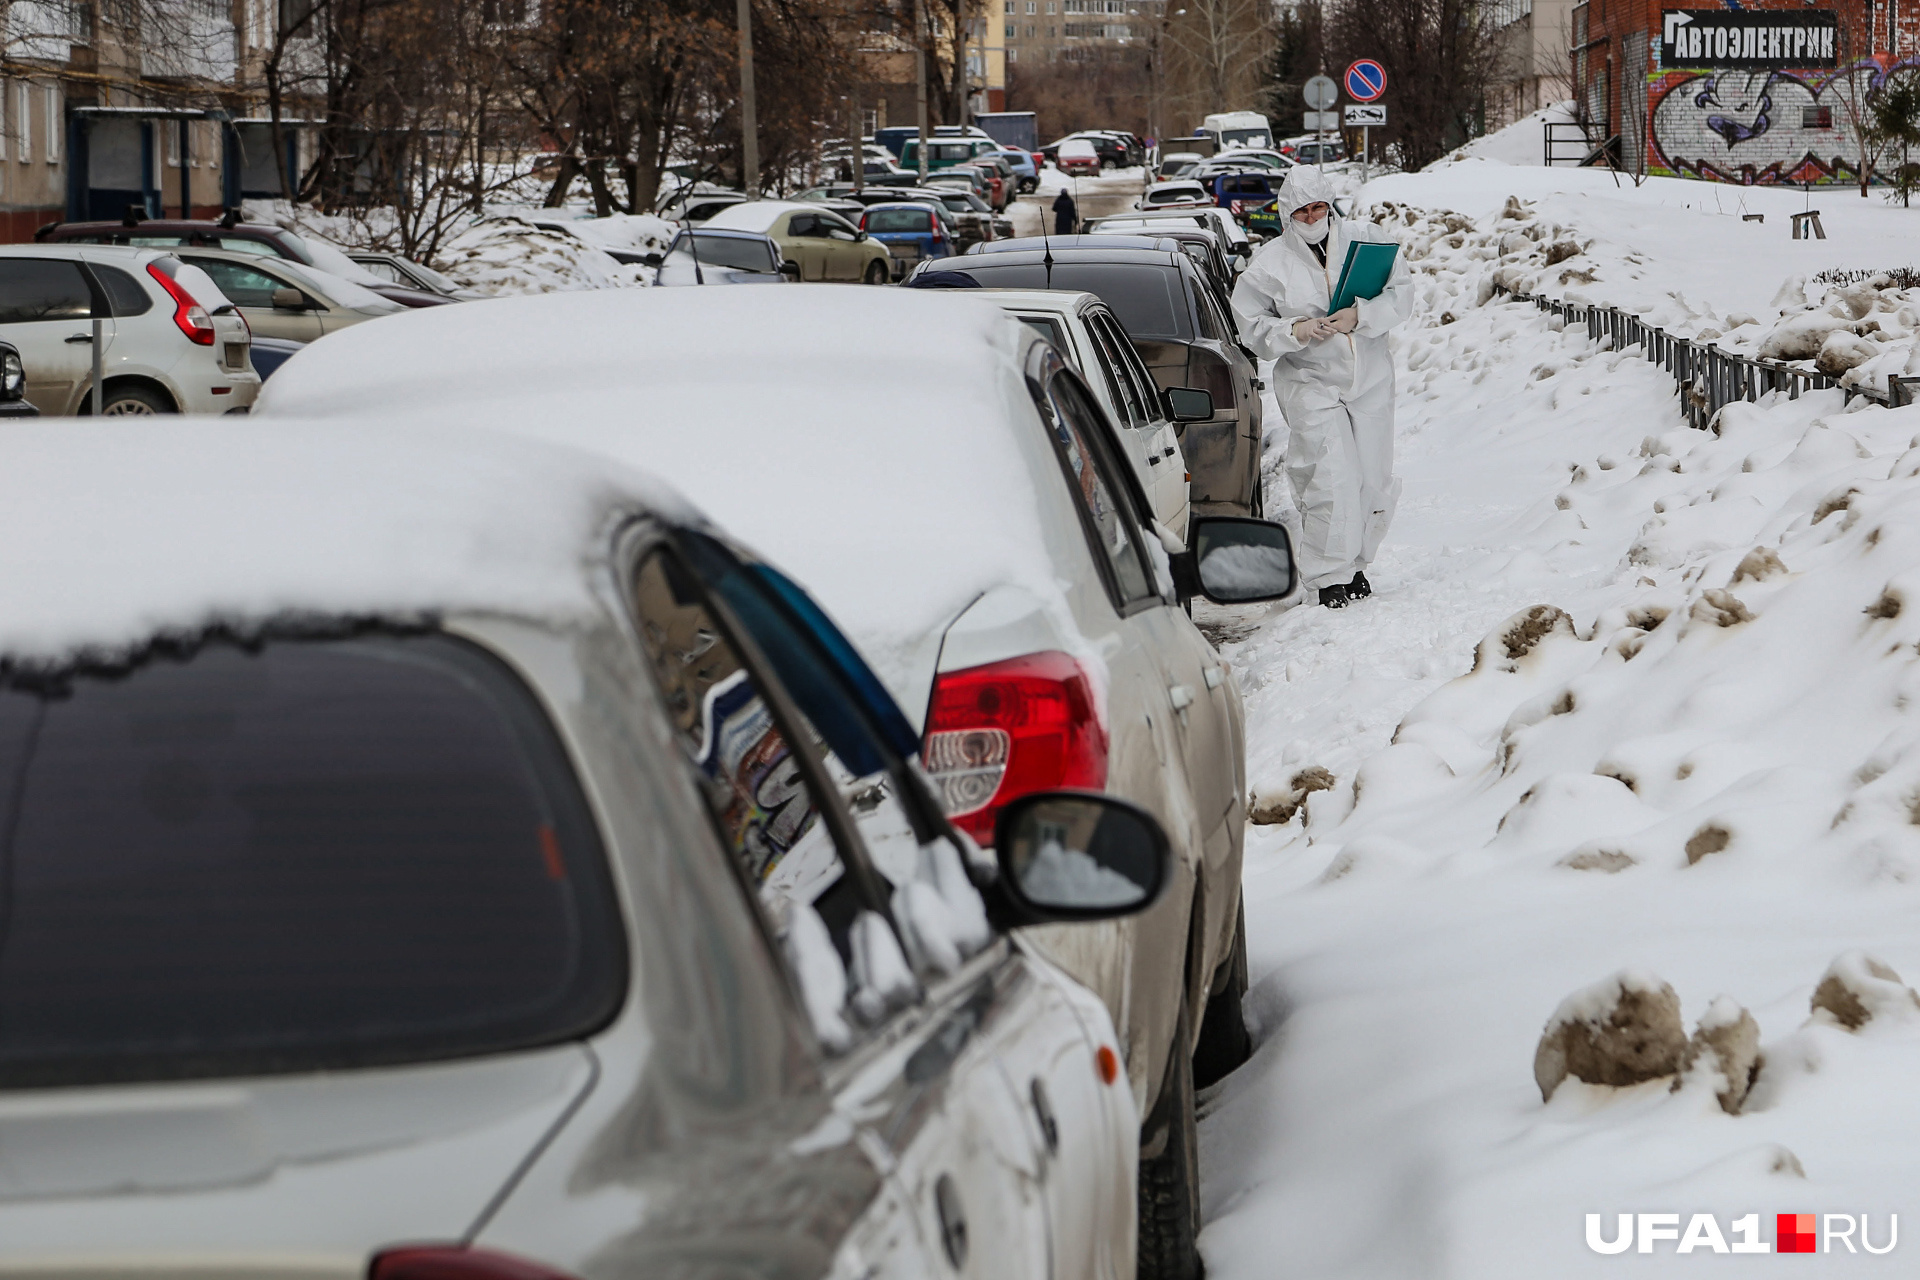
(79, 337)
(1215, 675)
(1180, 695)
(1168, 453)
(1154, 462)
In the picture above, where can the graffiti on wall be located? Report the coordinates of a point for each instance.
(1760, 127)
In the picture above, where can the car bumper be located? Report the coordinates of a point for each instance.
(18, 409)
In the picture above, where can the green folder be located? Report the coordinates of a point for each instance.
(1364, 274)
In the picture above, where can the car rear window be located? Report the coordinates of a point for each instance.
(911, 220)
(1145, 296)
(305, 855)
(126, 294)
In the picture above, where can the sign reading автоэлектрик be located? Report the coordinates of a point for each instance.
(1748, 38)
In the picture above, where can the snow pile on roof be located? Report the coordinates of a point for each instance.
(117, 536)
(1708, 772)
(510, 255)
(1523, 142)
(800, 420)
(755, 215)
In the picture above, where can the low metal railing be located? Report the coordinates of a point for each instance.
(1708, 378)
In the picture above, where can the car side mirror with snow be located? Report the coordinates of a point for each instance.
(652, 259)
(289, 300)
(1235, 560)
(1188, 404)
(1079, 855)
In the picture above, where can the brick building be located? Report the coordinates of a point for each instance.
(1772, 92)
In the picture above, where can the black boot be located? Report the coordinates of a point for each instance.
(1335, 596)
(1359, 588)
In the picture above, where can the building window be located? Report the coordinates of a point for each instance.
(1013, 55)
(23, 119)
(1009, 31)
(1030, 30)
(1816, 117)
(1049, 33)
(56, 121)
(1050, 7)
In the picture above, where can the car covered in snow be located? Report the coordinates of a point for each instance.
(1081, 157)
(1182, 194)
(991, 553)
(507, 877)
(170, 342)
(824, 245)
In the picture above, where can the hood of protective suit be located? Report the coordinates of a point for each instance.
(1304, 185)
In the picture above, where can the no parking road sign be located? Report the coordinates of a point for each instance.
(1366, 80)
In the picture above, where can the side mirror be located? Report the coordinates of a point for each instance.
(289, 300)
(653, 259)
(1073, 855)
(1188, 404)
(1235, 560)
(791, 270)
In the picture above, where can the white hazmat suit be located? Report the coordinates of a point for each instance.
(1336, 393)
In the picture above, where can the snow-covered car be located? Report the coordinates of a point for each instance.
(408, 274)
(1176, 164)
(439, 856)
(1247, 156)
(1078, 156)
(283, 299)
(714, 255)
(824, 245)
(1233, 238)
(989, 552)
(1183, 194)
(1082, 329)
(171, 343)
(13, 385)
(698, 203)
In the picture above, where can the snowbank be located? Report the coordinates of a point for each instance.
(1523, 142)
(510, 255)
(1707, 772)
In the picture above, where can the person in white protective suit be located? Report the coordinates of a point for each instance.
(1333, 377)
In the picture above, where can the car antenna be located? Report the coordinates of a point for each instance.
(1046, 257)
(693, 247)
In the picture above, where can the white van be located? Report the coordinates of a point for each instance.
(1238, 129)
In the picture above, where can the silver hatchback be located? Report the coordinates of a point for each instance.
(534, 885)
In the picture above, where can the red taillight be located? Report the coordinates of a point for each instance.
(1001, 731)
(191, 318)
(453, 1262)
(939, 236)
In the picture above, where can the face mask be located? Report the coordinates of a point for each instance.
(1313, 232)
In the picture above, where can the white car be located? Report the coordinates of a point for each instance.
(988, 551)
(438, 856)
(170, 341)
(1231, 235)
(1181, 194)
(1087, 334)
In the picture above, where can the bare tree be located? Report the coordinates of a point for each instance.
(1439, 57)
(1215, 56)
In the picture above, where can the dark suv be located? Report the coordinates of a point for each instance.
(1184, 336)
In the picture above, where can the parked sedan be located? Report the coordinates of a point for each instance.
(1174, 195)
(1177, 164)
(1025, 167)
(1180, 331)
(1079, 156)
(714, 255)
(408, 274)
(283, 300)
(966, 178)
(991, 558)
(170, 342)
(434, 856)
(13, 385)
(823, 244)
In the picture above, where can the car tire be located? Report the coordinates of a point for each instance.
(876, 273)
(133, 401)
(1225, 1044)
(1169, 1193)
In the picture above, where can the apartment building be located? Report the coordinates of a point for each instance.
(150, 104)
(1047, 30)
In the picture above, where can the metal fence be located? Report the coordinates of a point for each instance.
(1707, 377)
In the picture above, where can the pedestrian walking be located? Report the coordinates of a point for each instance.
(1066, 214)
(1333, 378)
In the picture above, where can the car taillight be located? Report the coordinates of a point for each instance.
(188, 315)
(1004, 730)
(939, 236)
(455, 1262)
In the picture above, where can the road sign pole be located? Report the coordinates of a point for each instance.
(1366, 154)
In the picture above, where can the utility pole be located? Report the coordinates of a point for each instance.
(920, 79)
(858, 147)
(749, 117)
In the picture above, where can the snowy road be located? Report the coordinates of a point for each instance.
(1707, 771)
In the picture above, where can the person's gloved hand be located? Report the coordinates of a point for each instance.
(1313, 329)
(1346, 319)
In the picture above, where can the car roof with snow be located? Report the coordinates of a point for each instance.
(758, 215)
(787, 432)
(116, 537)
